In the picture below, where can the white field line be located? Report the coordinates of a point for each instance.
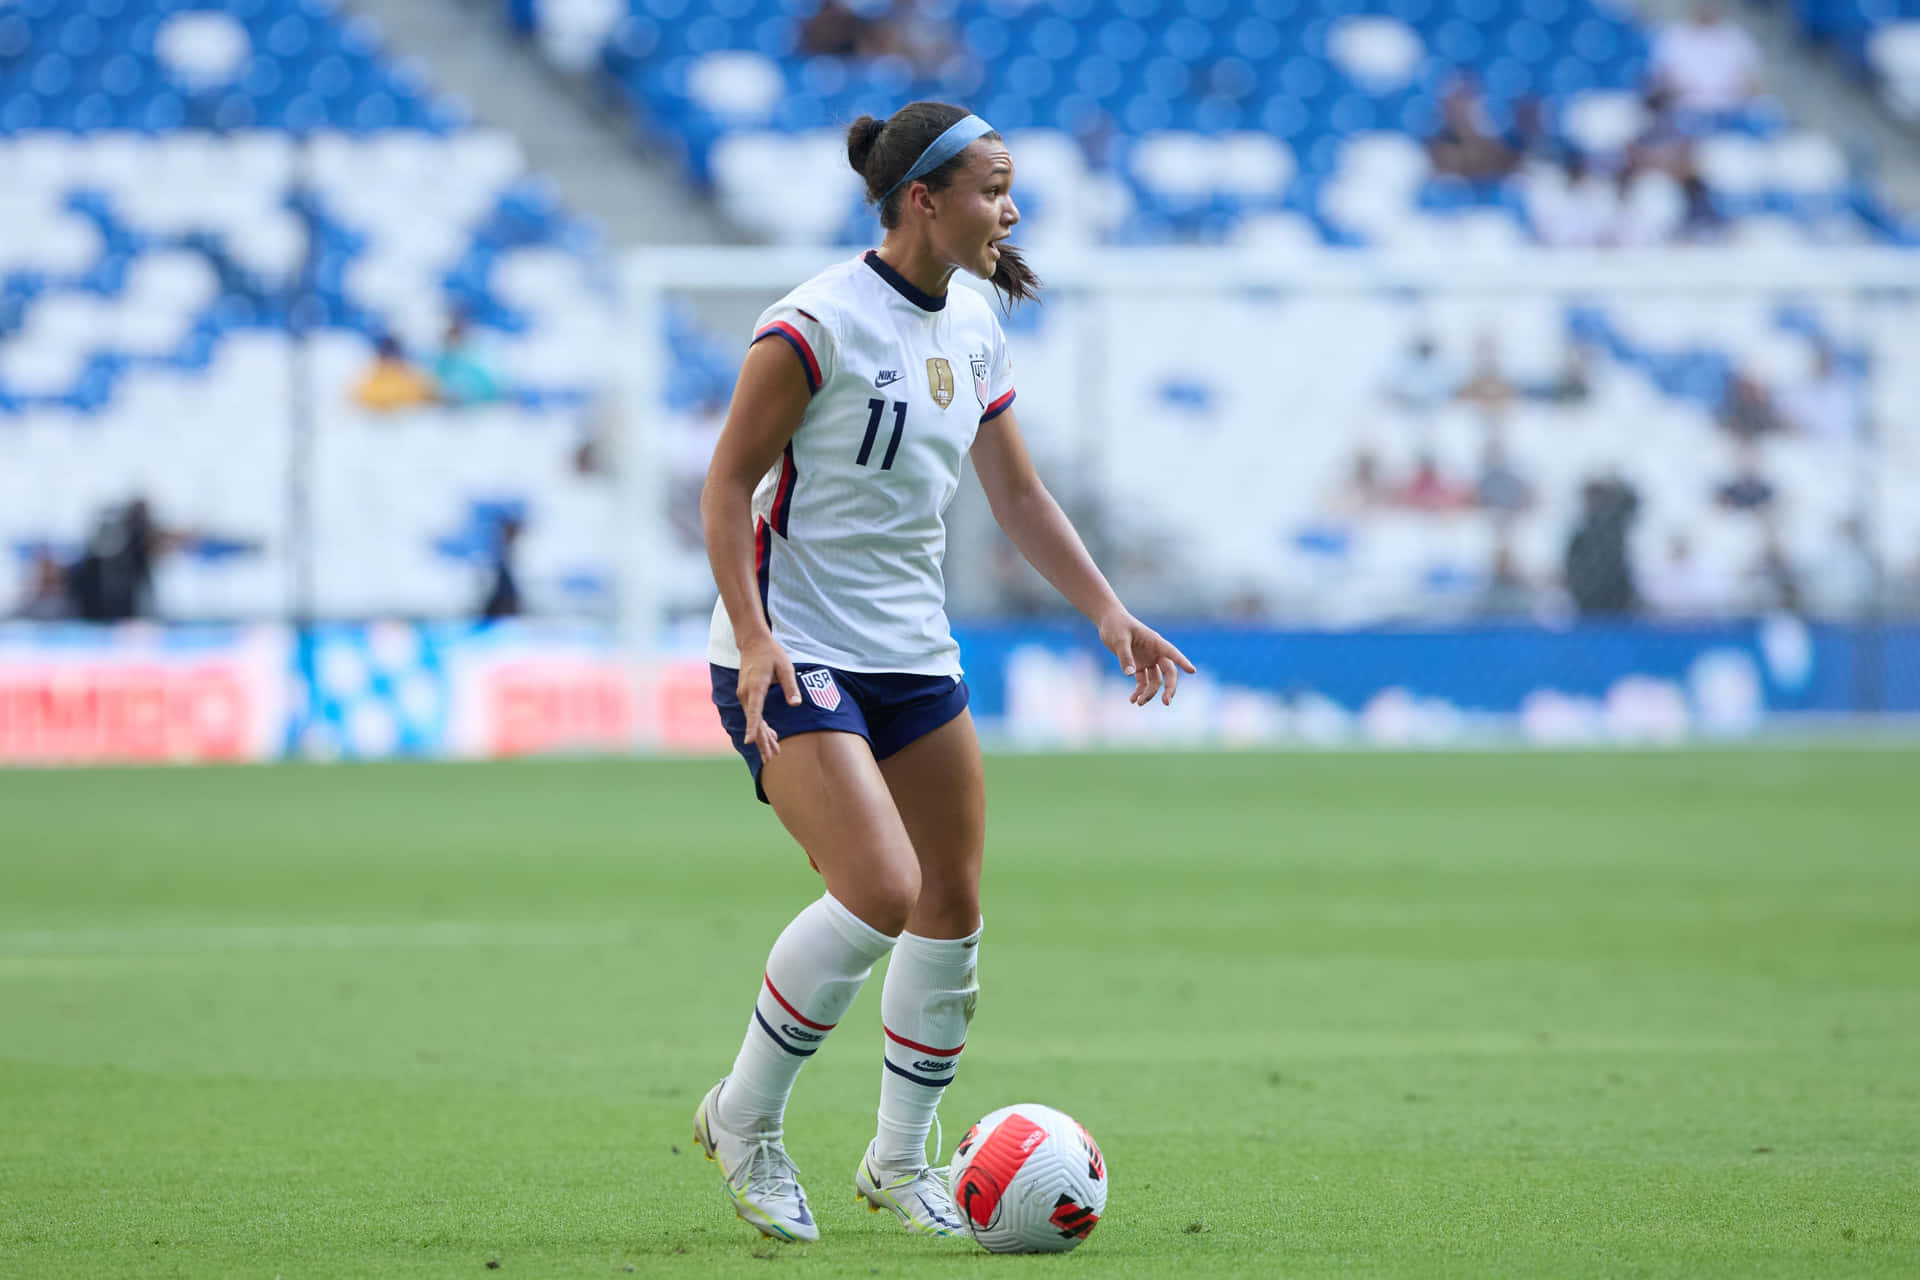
(152, 939)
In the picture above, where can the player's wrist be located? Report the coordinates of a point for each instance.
(1112, 617)
(755, 638)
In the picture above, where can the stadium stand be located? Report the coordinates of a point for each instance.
(1291, 123)
(214, 210)
(222, 206)
(1878, 40)
(1149, 121)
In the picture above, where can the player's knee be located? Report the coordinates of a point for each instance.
(887, 897)
(948, 910)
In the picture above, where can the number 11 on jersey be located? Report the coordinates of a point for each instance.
(875, 410)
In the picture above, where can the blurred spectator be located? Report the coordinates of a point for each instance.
(503, 589)
(1709, 64)
(1825, 406)
(1748, 411)
(391, 382)
(1598, 574)
(1421, 379)
(1465, 145)
(1427, 489)
(1532, 138)
(1577, 208)
(1507, 594)
(837, 30)
(1501, 488)
(46, 598)
(1776, 587)
(112, 580)
(462, 372)
(1486, 386)
(916, 31)
(1846, 581)
(1701, 221)
(1573, 381)
(1748, 490)
(1682, 586)
(1363, 489)
(1661, 144)
(593, 455)
(1099, 138)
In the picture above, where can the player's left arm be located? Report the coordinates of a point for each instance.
(1037, 526)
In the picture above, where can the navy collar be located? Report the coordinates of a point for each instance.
(903, 286)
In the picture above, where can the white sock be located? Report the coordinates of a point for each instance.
(926, 1003)
(816, 968)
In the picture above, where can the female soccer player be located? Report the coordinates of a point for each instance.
(824, 516)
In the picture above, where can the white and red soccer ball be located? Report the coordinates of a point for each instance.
(1029, 1179)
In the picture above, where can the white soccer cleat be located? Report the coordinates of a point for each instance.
(918, 1197)
(762, 1182)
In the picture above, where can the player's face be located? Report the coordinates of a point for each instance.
(977, 210)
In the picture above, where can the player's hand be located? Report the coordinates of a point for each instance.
(1144, 654)
(763, 663)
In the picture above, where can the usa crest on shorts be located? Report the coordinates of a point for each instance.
(821, 688)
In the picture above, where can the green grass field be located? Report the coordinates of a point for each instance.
(1537, 1015)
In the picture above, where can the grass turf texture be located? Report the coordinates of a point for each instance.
(1386, 1015)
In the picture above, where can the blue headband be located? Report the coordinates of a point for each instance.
(942, 149)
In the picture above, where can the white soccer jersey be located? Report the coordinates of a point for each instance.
(850, 525)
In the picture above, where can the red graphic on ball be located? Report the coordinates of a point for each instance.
(1072, 1219)
(992, 1169)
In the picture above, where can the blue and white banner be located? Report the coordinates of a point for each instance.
(1054, 686)
(75, 694)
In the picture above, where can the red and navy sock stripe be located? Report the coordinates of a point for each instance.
(949, 1058)
(793, 1027)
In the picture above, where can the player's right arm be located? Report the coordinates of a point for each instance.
(768, 403)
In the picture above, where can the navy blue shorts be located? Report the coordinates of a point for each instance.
(888, 710)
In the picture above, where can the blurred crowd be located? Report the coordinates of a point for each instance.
(460, 373)
(111, 577)
(1599, 576)
(1648, 191)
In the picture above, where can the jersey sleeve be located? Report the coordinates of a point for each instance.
(999, 395)
(803, 331)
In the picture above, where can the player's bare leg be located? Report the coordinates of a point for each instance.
(829, 794)
(939, 790)
(927, 1001)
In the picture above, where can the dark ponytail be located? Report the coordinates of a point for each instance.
(860, 139)
(1014, 278)
(881, 152)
